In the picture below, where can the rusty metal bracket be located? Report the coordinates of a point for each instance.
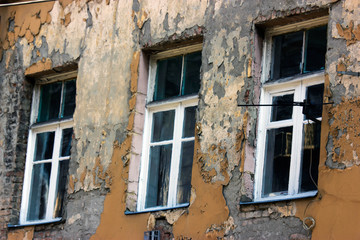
(357, 74)
(305, 104)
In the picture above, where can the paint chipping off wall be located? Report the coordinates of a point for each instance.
(112, 48)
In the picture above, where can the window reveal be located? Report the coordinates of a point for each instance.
(48, 152)
(169, 147)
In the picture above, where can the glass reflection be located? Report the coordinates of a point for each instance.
(49, 106)
(184, 183)
(39, 191)
(61, 188)
(159, 176)
(168, 78)
(277, 161)
(163, 126)
(44, 145)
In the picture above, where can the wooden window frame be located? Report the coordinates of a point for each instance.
(178, 104)
(297, 85)
(48, 126)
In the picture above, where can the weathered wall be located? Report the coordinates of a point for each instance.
(58, 34)
(104, 39)
(335, 209)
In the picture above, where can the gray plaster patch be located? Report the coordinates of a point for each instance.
(136, 5)
(146, 32)
(231, 191)
(338, 92)
(218, 90)
(59, 59)
(352, 89)
(267, 228)
(11, 25)
(166, 22)
(89, 21)
(329, 159)
(177, 20)
(84, 208)
(120, 133)
(221, 68)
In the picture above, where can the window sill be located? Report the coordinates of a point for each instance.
(294, 78)
(170, 100)
(282, 198)
(156, 209)
(35, 223)
(51, 122)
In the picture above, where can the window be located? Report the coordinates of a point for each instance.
(289, 135)
(298, 52)
(48, 151)
(168, 140)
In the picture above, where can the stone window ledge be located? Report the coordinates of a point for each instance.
(282, 198)
(157, 209)
(35, 223)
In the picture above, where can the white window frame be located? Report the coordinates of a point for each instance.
(178, 104)
(35, 128)
(294, 84)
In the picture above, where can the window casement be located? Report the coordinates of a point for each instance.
(48, 151)
(289, 134)
(168, 138)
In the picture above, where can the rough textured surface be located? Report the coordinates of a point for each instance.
(105, 40)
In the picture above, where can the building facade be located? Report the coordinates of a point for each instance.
(179, 119)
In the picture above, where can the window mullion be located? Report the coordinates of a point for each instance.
(303, 53)
(54, 174)
(175, 157)
(61, 100)
(296, 144)
(182, 75)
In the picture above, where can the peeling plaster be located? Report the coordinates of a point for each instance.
(52, 34)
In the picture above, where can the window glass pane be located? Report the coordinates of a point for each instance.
(184, 183)
(279, 113)
(44, 145)
(287, 55)
(159, 176)
(39, 191)
(191, 81)
(163, 126)
(61, 187)
(189, 122)
(314, 96)
(49, 106)
(315, 49)
(310, 157)
(66, 142)
(277, 161)
(69, 94)
(168, 78)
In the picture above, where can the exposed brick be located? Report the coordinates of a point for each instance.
(255, 214)
(247, 208)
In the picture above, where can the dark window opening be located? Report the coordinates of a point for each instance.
(178, 76)
(298, 53)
